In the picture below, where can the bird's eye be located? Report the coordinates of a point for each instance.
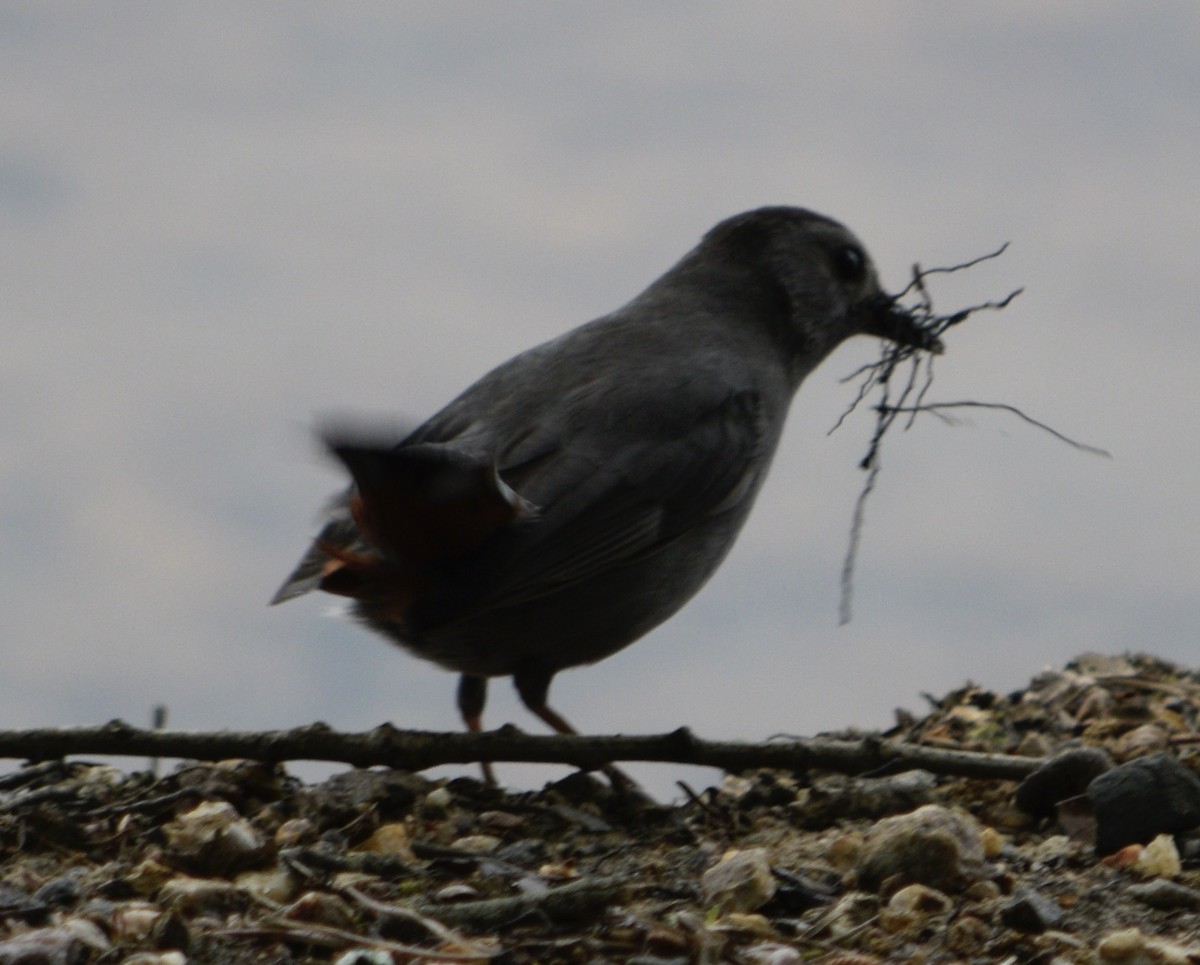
(849, 263)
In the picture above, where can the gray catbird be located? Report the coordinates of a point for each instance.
(579, 494)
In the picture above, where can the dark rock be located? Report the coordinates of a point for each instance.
(1063, 776)
(526, 853)
(17, 903)
(60, 892)
(1029, 911)
(657, 960)
(796, 893)
(391, 794)
(1189, 849)
(1166, 895)
(1138, 801)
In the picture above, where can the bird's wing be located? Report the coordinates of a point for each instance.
(608, 497)
(338, 530)
(412, 507)
(598, 481)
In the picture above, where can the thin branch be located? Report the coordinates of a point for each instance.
(856, 528)
(390, 910)
(878, 377)
(418, 750)
(920, 274)
(1004, 406)
(569, 901)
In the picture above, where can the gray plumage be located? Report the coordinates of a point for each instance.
(579, 494)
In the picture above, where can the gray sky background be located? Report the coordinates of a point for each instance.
(222, 221)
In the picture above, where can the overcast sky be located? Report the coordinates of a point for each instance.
(222, 221)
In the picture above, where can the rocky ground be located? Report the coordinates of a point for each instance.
(239, 862)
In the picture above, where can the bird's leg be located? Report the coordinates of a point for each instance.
(472, 695)
(533, 686)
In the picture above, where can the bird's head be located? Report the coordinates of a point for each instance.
(817, 276)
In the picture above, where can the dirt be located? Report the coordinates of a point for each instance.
(241, 862)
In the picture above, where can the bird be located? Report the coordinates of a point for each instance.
(579, 494)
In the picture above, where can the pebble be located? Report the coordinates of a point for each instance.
(1131, 947)
(200, 894)
(843, 851)
(295, 832)
(983, 891)
(439, 798)
(1030, 911)
(365, 956)
(745, 923)
(60, 892)
(1053, 851)
(1096, 703)
(71, 941)
(1125, 857)
(967, 935)
(658, 960)
(740, 881)
(478, 843)
(148, 876)
(1167, 895)
(458, 891)
(853, 910)
(392, 839)
(214, 839)
(910, 907)
(772, 953)
(322, 908)
(1147, 739)
(932, 845)
(1033, 744)
(1188, 844)
(132, 921)
(1159, 859)
(501, 820)
(920, 900)
(993, 842)
(273, 884)
(17, 902)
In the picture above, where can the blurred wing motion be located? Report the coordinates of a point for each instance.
(420, 509)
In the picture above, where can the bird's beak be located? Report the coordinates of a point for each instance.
(886, 319)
